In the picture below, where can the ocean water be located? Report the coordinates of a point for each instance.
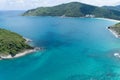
(75, 49)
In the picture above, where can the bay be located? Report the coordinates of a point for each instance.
(75, 49)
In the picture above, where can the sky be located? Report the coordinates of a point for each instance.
(29, 4)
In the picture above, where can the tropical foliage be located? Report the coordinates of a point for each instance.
(11, 43)
(74, 9)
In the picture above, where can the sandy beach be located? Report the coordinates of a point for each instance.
(109, 19)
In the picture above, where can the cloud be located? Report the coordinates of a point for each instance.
(101, 2)
(28, 4)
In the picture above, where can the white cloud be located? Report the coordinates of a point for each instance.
(28, 4)
(101, 2)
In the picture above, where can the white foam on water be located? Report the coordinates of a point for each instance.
(117, 55)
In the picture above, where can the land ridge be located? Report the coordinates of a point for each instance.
(74, 9)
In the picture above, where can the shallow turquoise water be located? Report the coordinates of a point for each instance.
(76, 49)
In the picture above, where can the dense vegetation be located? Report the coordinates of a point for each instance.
(11, 43)
(116, 28)
(73, 9)
(113, 7)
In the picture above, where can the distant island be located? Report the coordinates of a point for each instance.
(12, 44)
(74, 9)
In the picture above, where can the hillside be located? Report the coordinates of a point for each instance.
(11, 43)
(113, 7)
(74, 9)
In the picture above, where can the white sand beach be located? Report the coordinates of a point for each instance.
(109, 19)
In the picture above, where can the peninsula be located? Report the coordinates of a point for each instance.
(115, 29)
(13, 45)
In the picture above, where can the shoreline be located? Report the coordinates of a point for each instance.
(113, 20)
(108, 19)
(18, 55)
(27, 40)
(23, 53)
(114, 33)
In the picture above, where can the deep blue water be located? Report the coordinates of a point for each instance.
(76, 49)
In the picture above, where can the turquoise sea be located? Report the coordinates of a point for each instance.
(76, 49)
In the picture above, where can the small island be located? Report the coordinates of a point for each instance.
(13, 45)
(115, 29)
